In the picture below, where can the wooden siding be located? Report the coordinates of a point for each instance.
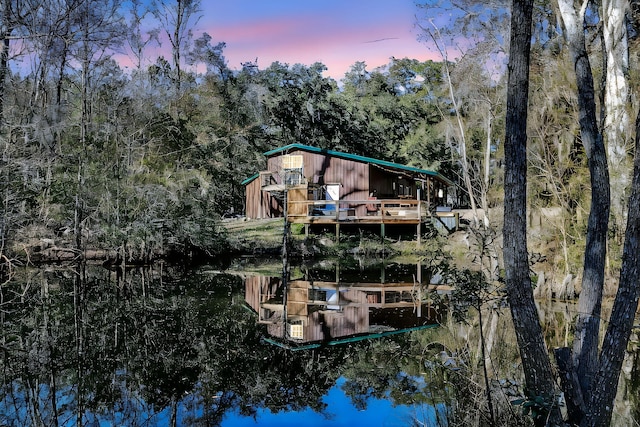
(390, 185)
(357, 181)
(326, 324)
(260, 204)
(252, 197)
(319, 169)
(259, 290)
(296, 194)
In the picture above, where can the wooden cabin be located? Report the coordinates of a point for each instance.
(316, 186)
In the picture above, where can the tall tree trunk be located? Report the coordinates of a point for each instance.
(605, 384)
(533, 351)
(616, 98)
(177, 36)
(5, 33)
(462, 144)
(585, 345)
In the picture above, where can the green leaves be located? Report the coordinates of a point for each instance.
(534, 406)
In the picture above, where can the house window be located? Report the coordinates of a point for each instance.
(296, 329)
(292, 167)
(293, 176)
(317, 295)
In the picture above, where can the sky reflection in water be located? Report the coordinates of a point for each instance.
(340, 413)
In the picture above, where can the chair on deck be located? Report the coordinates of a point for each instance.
(372, 208)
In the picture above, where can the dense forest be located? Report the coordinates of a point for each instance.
(149, 158)
(107, 149)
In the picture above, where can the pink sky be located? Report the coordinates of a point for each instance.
(335, 32)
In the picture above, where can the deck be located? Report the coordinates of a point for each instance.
(352, 213)
(388, 211)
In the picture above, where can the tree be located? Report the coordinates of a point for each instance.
(589, 377)
(391, 113)
(540, 382)
(98, 26)
(585, 349)
(597, 370)
(614, 36)
(177, 18)
(470, 73)
(558, 172)
(6, 27)
(136, 41)
(211, 56)
(299, 107)
(604, 386)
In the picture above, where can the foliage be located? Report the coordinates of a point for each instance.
(148, 160)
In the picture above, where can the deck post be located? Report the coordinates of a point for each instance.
(382, 229)
(419, 226)
(306, 230)
(419, 283)
(337, 232)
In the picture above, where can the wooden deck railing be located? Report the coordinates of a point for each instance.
(345, 210)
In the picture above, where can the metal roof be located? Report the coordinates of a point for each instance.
(354, 157)
(251, 178)
(357, 158)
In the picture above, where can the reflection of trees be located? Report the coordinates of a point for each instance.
(394, 368)
(127, 348)
(139, 348)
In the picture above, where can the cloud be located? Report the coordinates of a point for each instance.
(334, 32)
(306, 39)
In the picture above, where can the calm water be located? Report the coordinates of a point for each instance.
(219, 346)
(230, 345)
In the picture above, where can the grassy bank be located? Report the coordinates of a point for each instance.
(258, 237)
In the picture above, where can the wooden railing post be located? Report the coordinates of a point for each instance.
(419, 226)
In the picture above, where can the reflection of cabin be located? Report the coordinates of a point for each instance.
(328, 311)
(330, 187)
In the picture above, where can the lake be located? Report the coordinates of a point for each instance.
(340, 343)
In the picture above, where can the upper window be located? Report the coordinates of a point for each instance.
(292, 167)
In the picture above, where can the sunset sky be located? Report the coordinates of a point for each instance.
(335, 32)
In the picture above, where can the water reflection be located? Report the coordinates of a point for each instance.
(83, 345)
(311, 310)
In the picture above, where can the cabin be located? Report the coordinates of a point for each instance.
(315, 186)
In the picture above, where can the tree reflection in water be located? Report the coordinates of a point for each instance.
(83, 345)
